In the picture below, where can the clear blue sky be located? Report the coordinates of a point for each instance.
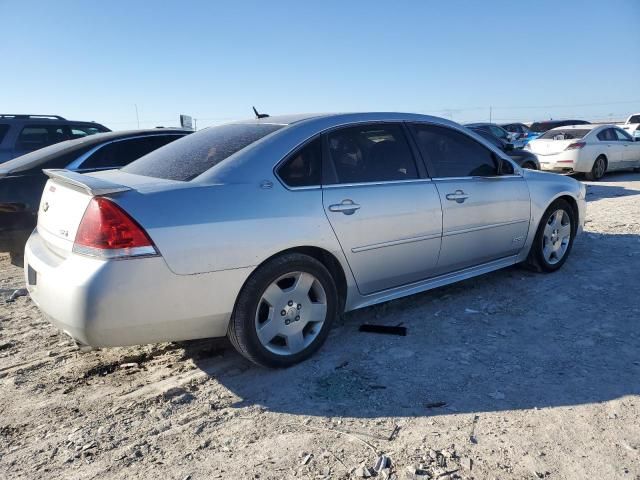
(528, 59)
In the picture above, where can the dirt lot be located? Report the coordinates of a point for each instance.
(511, 375)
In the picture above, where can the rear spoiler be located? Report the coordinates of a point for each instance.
(92, 185)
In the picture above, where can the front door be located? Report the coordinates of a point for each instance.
(386, 217)
(485, 213)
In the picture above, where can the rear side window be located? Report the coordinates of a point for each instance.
(564, 134)
(193, 155)
(607, 135)
(34, 137)
(371, 153)
(498, 132)
(3, 131)
(634, 119)
(304, 167)
(123, 152)
(453, 154)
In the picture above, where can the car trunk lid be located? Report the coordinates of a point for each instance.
(549, 146)
(64, 201)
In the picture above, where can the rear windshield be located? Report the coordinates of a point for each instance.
(564, 134)
(632, 119)
(194, 154)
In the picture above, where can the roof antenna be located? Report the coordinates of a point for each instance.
(259, 115)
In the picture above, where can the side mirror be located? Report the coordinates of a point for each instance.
(508, 147)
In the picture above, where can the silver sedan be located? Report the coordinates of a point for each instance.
(266, 230)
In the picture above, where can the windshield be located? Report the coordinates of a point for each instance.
(564, 134)
(193, 155)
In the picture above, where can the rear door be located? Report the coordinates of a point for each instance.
(385, 214)
(486, 214)
(630, 149)
(613, 149)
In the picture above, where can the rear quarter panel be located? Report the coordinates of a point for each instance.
(210, 228)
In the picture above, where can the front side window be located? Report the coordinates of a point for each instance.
(453, 154)
(622, 135)
(34, 137)
(371, 153)
(304, 167)
(196, 153)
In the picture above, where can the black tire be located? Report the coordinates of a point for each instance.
(596, 172)
(242, 326)
(536, 259)
(17, 259)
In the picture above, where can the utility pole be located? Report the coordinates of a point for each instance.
(137, 117)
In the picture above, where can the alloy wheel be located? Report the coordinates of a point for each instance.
(556, 236)
(290, 313)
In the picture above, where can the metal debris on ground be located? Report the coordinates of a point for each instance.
(20, 292)
(384, 329)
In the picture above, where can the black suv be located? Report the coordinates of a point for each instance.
(20, 134)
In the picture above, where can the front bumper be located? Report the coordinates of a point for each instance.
(105, 303)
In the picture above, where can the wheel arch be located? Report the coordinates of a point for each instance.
(328, 259)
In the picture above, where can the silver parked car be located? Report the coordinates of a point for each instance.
(265, 230)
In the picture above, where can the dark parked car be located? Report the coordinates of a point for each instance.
(492, 128)
(22, 180)
(519, 130)
(20, 134)
(522, 157)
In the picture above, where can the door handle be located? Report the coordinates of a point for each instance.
(348, 207)
(459, 196)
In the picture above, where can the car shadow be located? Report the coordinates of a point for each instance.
(604, 189)
(508, 340)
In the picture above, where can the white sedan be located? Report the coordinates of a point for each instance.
(589, 149)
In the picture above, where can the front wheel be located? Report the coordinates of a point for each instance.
(284, 312)
(598, 169)
(554, 238)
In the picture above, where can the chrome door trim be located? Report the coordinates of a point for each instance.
(482, 227)
(392, 243)
(497, 177)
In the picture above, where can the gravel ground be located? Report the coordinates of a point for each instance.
(510, 375)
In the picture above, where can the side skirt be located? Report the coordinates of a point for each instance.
(361, 301)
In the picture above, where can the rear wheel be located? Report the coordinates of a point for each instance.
(554, 238)
(598, 169)
(284, 312)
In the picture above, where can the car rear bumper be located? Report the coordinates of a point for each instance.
(127, 302)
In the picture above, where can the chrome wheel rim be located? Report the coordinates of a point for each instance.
(557, 235)
(599, 168)
(291, 313)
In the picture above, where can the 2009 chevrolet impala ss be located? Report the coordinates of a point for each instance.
(265, 230)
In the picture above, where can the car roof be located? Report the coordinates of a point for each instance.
(588, 126)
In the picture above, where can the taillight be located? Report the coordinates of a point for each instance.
(107, 231)
(575, 146)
